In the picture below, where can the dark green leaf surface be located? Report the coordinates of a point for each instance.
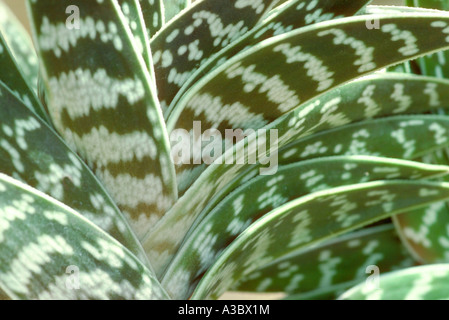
(200, 31)
(418, 283)
(330, 212)
(325, 271)
(152, 11)
(105, 106)
(266, 77)
(263, 194)
(293, 15)
(33, 153)
(48, 251)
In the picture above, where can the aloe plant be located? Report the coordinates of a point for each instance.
(110, 189)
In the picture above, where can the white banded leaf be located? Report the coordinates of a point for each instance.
(294, 14)
(33, 153)
(246, 204)
(48, 251)
(374, 95)
(20, 45)
(13, 77)
(283, 72)
(327, 270)
(418, 283)
(103, 103)
(311, 219)
(201, 30)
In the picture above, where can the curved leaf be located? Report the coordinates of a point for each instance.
(48, 251)
(105, 106)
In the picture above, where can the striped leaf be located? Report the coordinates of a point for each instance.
(173, 7)
(325, 271)
(20, 45)
(105, 106)
(292, 15)
(13, 77)
(53, 168)
(266, 77)
(418, 283)
(263, 194)
(330, 212)
(200, 31)
(48, 251)
(378, 95)
(152, 11)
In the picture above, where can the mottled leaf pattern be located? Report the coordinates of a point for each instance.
(202, 30)
(373, 96)
(325, 271)
(105, 105)
(20, 44)
(152, 11)
(53, 168)
(173, 7)
(265, 78)
(47, 250)
(295, 14)
(418, 283)
(330, 212)
(265, 193)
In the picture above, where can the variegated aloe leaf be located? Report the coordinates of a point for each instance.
(48, 251)
(197, 33)
(419, 283)
(263, 194)
(105, 106)
(406, 137)
(173, 7)
(326, 270)
(20, 45)
(373, 96)
(283, 72)
(153, 14)
(32, 152)
(330, 212)
(13, 77)
(294, 14)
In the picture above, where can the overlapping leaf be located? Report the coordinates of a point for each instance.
(173, 7)
(33, 153)
(152, 11)
(265, 193)
(293, 15)
(20, 45)
(105, 106)
(325, 271)
(283, 72)
(418, 283)
(330, 212)
(48, 251)
(373, 96)
(200, 31)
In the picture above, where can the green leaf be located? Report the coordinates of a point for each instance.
(33, 153)
(47, 250)
(20, 45)
(326, 270)
(418, 283)
(105, 106)
(282, 73)
(246, 204)
(13, 77)
(197, 33)
(293, 15)
(152, 11)
(311, 219)
(173, 7)
(377, 95)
